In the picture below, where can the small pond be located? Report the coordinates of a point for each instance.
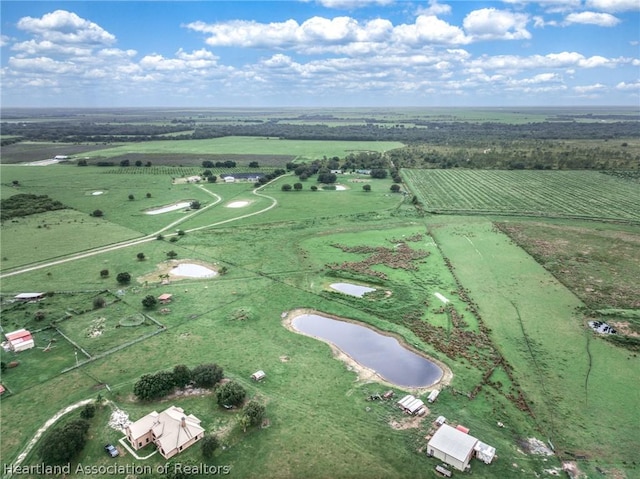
(166, 209)
(352, 289)
(383, 354)
(192, 271)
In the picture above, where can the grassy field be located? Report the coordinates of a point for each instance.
(551, 379)
(301, 149)
(571, 194)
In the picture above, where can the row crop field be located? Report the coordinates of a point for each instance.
(570, 194)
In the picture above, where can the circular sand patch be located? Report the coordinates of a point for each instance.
(237, 204)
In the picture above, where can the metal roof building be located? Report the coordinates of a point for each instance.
(452, 446)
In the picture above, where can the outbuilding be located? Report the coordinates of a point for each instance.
(452, 446)
(411, 405)
(29, 297)
(258, 375)
(20, 340)
(165, 298)
(433, 395)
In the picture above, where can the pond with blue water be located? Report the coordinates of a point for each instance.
(384, 355)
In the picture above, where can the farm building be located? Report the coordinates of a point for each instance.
(485, 452)
(29, 297)
(411, 405)
(20, 340)
(452, 446)
(165, 298)
(433, 395)
(171, 431)
(229, 179)
(258, 375)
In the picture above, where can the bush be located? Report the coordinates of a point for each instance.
(104, 273)
(286, 187)
(149, 301)
(207, 375)
(230, 394)
(123, 278)
(88, 411)
(209, 445)
(97, 213)
(62, 444)
(254, 411)
(181, 375)
(99, 302)
(153, 386)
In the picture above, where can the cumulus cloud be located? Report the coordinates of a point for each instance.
(592, 18)
(492, 24)
(564, 60)
(590, 89)
(623, 86)
(352, 4)
(435, 8)
(430, 29)
(614, 5)
(62, 26)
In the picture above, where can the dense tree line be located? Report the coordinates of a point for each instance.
(24, 204)
(158, 385)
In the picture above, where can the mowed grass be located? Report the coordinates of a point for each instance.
(573, 194)
(566, 372)
(309, 149)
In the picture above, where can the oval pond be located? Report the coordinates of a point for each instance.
(383, 354)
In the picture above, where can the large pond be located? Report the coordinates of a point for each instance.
(382, 354)
(352, 289)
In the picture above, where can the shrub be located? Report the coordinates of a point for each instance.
(99, 302)
(149, 301)
(123, 278)
(104, 273)
(88, 411)
(209, 445)
(207, 375)
(254, 411)
(64, 442)
(97, 213)
(181, 375)
(230, 394)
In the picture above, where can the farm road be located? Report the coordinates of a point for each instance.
(152, 236)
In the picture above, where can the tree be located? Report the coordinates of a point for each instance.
(212, 178)
(104, 273)
(140, 256)
(153, 386)
(97, 213)
(395, 188)
(131, 197)
(254, 411)
(194, 205)
(254, 164)
(297, 186)
(207, 164)
(208, 445)
(379, 173)
(230, 394)
(40, 315)
(88, 411)
(326, 177)
(181, 375)
(314, 188)
(138, 163)
(286, 187)
(366, 188)
(15, 183)
(82, 162)
(244, 421)
(181, 233)
(64, 442)
(99, 302)
(123, 278)
(207, 375)
(149, 301)
(172, 254)
(124, 163)
(148, 195)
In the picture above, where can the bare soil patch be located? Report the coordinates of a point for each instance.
(164, 268)
(410, 422)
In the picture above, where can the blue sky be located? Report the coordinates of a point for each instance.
(320, 53)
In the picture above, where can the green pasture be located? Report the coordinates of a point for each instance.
(303, 149)
(572, 194)
(564, 370)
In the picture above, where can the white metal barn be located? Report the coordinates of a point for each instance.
(452, 446)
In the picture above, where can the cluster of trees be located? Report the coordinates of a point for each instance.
(24, 204)
(158, 385)
(126, 163)
(219, 164)
(270, 176)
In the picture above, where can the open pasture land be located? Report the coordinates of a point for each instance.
(301, 149)
(565, 371)
(28, 151)
(564, 194)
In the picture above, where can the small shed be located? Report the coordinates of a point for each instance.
(452, 447)
(20, 340)
(411, 405)
(29, 297)
(258, 375)
(461, 428)
(165, 298)
(229, 179)
(441, 420)
(485, 452)
(388, 395)
(433, 395)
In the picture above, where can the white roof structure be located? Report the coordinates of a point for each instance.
(453, 443)
(433, 395)
(485, 452)
(258, 375)
(28, 296)
(411, 404)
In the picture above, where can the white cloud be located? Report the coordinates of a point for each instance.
(46, 47)
(430, 29)
(42, 64)
(633, 87)
(435, 8)
(62, 26)
(564, 60)
(4, 40)
(590, 89)
(614, 5)
(492, 24)
(196, 60)
(592, 18)
(352, 4)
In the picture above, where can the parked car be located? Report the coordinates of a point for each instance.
(111, 450)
